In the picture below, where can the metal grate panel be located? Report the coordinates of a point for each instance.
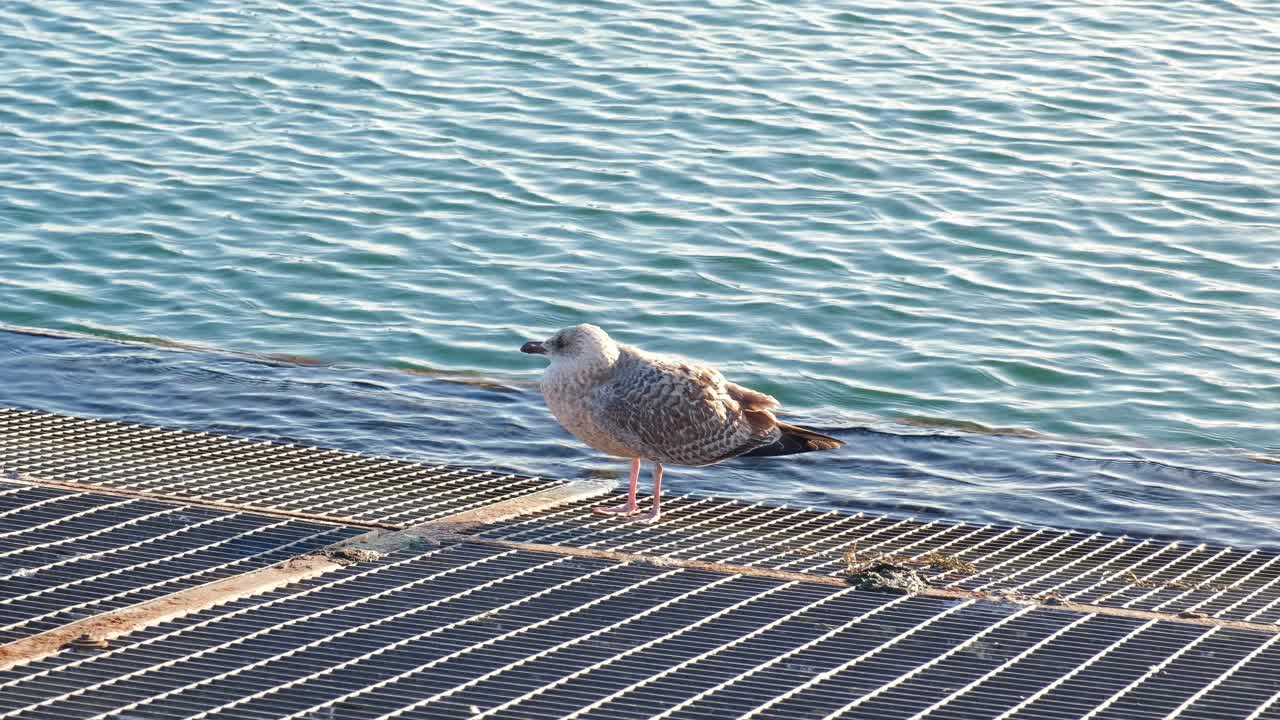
(475, 631)
(67, 555)
(255, 474)
(1082, 567)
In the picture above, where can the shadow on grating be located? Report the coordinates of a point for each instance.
(1082, 567)
(68, 555)
(473, 631)
(255, 474)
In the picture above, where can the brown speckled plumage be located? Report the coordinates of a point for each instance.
(679, 412)
(624, 401)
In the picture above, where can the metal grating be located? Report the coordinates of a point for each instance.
(67, 555)
(1089, 568)
(255, 474)
(476, 631)
(471, 629)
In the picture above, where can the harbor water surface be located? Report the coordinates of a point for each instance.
(1023, 257)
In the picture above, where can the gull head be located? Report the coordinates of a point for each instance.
(582, 347)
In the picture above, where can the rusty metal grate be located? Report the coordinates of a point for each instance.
(68, 555)
(474, 631)
(258, 475)
(1035, 563)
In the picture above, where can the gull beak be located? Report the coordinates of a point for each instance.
(533, 347)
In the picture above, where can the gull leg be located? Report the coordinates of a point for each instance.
(629, 507)
(656, 511)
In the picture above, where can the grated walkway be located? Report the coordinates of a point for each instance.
(1087, 568)
(561, 614)
(257, 475)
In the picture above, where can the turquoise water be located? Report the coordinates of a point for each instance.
(1054, 218)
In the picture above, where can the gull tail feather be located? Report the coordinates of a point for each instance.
(793, 439)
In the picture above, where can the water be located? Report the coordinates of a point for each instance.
(1047, 217)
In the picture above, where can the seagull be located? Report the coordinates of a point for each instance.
(629, 403)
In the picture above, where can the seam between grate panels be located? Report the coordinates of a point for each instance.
(744, 515)
(670, 636)
(384, 650)
(469, 649)
(753, 571)
(262, 631)
(935, 592)
(485, 613)
(585, 530)
(250, 608)
(157, 589)
(380, 650)
(931, 620)
(134, 617)
(454, 525)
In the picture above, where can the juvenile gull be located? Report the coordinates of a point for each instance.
(626, 402)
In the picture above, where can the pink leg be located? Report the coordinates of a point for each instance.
(655, 512)
(629, 507)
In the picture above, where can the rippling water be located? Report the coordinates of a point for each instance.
(886, 468)
(1050, 216)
